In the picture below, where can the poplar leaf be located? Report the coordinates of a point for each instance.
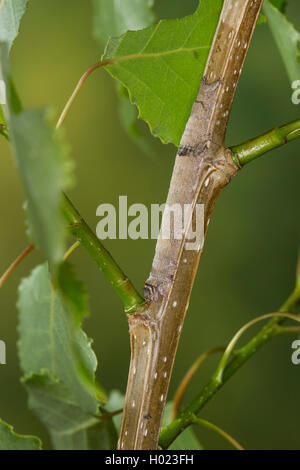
(287, 39)
(70, 427)
(162, 66)
(113, 18)
(10, 440)
(11, 13)
(42, 158)
(58, 361)
(280, 4)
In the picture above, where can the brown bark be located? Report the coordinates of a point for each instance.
(203, 167)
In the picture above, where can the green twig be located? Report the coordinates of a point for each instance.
(218, 430)
(71, 250)
(187, 379)
(272, 329)
(218, 376)
(15, 263)
(130, 297)
(248, 151)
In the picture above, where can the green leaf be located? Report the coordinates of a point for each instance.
(161, 66)
(9, 440)
(3, 127)
(261, 19)
(187, 440)
(114, 403)
(70, 427)
(57, 359)
(113, 18)
(280, 4)
(287, 39)
(42, 158)
(11, 13)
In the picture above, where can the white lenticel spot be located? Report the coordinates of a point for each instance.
(133, 404)
(165, 375)
(155, 375)
(145, 432)
(185, 260)
(165, 359)
(161, 398)
(174, 304)
(206, 183)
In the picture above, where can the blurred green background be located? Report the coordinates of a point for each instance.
(248, 267)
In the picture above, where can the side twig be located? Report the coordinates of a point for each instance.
(271, 330)
(16, 263)
(131, 299)
(247, 152)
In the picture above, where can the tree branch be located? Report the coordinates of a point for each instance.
(16, 263)
(203, 167)
(271, 330)
(187, 379)
(218, 430)
(247, 152)
(119, 281)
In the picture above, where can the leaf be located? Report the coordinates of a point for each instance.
(11, 13)
(261, 19)
(129, 119)
(10, 440)
(287, 39)
(280, 4)
(161, 66)
(57, 359)
(187, 440)
(113, 18)
(42, 158)
(70, 427)
(114, 403)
